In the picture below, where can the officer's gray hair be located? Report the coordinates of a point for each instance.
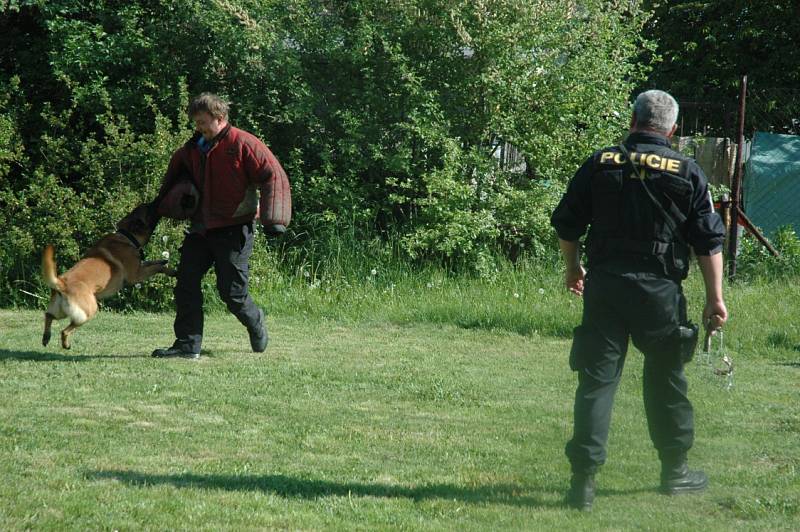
(656, 110)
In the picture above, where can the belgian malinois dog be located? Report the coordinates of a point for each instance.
(115, 260)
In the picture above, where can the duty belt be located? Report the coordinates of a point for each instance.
(640, 247)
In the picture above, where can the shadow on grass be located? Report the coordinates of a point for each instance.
(55, 356)
(788, 364)
(291, 487)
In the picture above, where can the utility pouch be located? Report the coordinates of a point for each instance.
(686, 337)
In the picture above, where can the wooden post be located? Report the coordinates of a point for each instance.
(733, 238)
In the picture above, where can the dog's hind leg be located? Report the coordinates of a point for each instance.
(79, 312)
(48, 323)
(69, 329)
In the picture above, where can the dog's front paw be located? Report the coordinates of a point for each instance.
(46, 338)
(172, 272)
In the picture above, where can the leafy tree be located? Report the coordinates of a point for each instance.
(705, 47)
(387, 115)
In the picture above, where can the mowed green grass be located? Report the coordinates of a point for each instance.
(364, 424)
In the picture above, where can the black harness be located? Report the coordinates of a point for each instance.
(132, 239)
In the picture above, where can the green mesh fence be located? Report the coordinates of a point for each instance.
(771, 188)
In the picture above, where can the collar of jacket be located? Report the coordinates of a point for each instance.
(642, 137)
(197, 136)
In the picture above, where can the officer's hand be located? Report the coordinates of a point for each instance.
(574, 280)
(715, 314)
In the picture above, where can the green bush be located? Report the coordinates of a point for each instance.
(386, 115)
(756, 262)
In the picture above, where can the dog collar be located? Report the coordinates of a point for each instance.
(133, 241)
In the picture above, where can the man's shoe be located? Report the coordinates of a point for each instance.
(581, 492)
(258, 335)
(678, 478)
(172, 352)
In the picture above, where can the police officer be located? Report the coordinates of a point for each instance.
(644, 205)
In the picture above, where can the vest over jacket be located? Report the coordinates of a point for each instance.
(628, 233)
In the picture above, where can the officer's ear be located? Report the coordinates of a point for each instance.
(672, 131)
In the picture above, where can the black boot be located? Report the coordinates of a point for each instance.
(677, 478)
(258, 334)
(581, 491)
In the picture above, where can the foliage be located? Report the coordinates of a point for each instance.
(756, 262)
(706, 46)
(387, 115)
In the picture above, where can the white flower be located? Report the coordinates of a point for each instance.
(373, 271)
(165, 254)
(138, 285)
(306, 274)
(516, 295)
(164, 239)
(541, 291)
(429, 285)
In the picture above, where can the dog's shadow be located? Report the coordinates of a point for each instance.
(44, 356)
(302, 488)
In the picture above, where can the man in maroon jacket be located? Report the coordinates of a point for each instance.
(227, 165)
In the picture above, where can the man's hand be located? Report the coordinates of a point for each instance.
(575, 272)
(711, 267)
(574, 280)
(715, 314)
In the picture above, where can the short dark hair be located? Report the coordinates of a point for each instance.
(209, 103)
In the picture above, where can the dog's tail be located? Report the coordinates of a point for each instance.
(49, 270)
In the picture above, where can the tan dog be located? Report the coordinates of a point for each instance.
(103, 270)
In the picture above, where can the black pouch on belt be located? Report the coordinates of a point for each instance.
(686, 337)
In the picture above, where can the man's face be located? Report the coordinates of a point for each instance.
(208, 125)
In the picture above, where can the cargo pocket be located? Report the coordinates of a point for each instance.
(580, 346)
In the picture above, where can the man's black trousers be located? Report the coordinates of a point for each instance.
(228, 249)
(647, 309)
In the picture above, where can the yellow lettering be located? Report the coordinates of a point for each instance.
(606, 156)
(618, 158)
(674, 165)
(652, 161)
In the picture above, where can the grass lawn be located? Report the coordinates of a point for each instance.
(363, 424)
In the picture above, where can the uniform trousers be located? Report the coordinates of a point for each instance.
(646, 308)
(228, 249)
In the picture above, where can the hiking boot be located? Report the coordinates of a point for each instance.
(678, 478)
(258, 334)
(175, 352)
(581, 492)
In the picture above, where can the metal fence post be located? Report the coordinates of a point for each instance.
(733, 239)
